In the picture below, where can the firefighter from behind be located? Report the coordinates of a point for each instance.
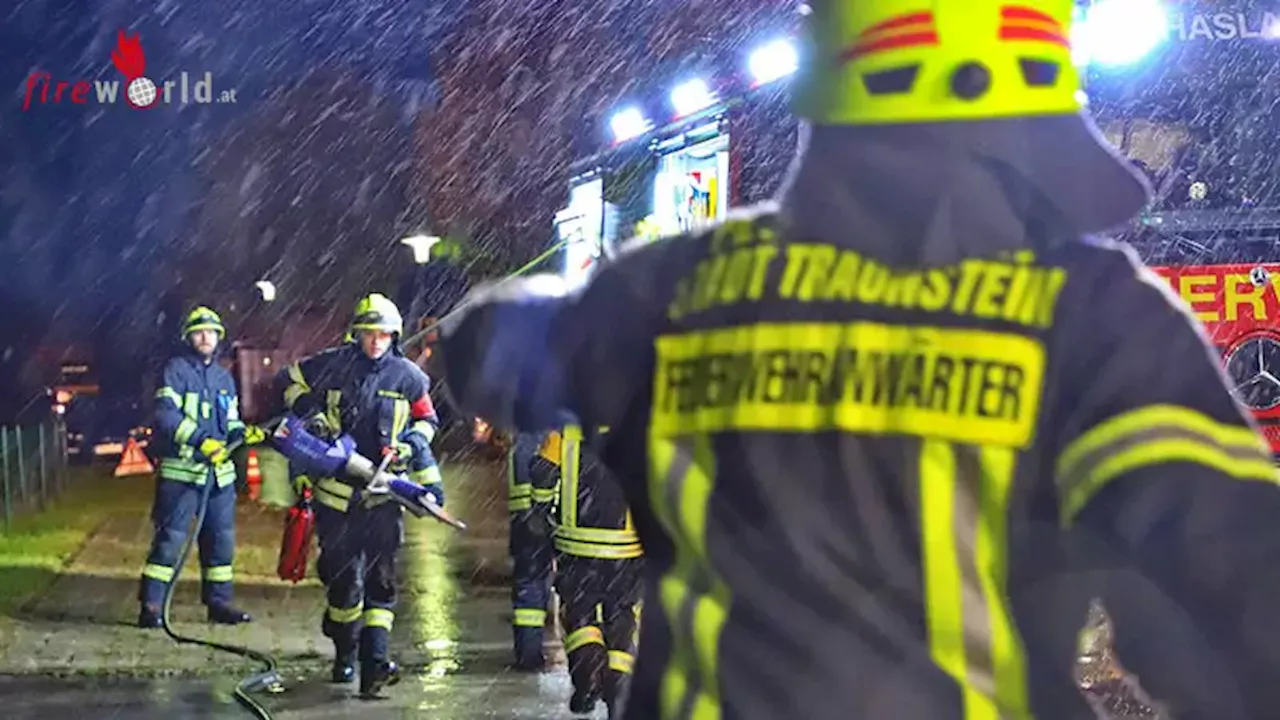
(365, 388)
(598, 572)
(884, 437)
(197, 417)
(532, 556)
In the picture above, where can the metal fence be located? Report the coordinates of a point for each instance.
(33, 467)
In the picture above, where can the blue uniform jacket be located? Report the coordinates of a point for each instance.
(196, 401)
(382, 404)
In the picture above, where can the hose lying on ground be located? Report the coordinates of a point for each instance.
(269, 677)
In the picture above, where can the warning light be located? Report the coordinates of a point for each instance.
(1115, 33)
(773, 61)
(691, 96)
(629, 124)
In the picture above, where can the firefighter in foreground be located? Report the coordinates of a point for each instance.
(197, 417)
(598, 571)
(532, 555)
(885, 438)
(367, 389)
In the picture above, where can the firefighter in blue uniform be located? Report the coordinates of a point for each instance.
(598, 569)
(367, 389)
(532, 556)
(197, 417)
(885, 438)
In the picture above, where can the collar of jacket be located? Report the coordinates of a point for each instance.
(933, 194)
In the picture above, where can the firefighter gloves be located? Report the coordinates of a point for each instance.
(254, 435)
(215, 450)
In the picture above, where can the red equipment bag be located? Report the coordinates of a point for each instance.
(299, 527)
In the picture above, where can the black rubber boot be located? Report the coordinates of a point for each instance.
(149, 617)
(376, 675)
(227, 615)
(344, 666)
(584, 703)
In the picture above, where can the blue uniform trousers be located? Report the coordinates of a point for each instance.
(357, 565)
(532, 556)
(175, 506)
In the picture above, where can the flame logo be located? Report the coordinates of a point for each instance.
(128, 56)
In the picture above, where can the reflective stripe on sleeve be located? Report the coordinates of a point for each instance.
(168, 393)
(1155, 435)
(964, 506)
(423, 428)
(427, 476)
(186, 429)
(298, 386)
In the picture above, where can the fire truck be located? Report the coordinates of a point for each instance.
(1175, 85)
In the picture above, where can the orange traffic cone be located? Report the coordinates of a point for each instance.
(253, 475)
(133, 461)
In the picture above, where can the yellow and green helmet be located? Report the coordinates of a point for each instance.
(376, 312)
(996, 74)
(203, 318)
(875, 62)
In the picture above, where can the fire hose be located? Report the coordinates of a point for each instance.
(402, 491)
(298, 444)
(269, 678)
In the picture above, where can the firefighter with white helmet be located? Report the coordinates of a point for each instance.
(367, 389)
(885, 439)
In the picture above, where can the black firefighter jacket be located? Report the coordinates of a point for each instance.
(874, 487)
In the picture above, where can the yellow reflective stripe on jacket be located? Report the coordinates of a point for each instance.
(234, 422)
(297, 386)
(542, 496)
(429, 475)
(391, 394)
(423, 428)
(570, 455)
(964, 508)
(333, 409)
(1154, 435)
(184, 432)
(603, 536)
(399, 417)
(333, 493)
(694, 598)
(196, 472)
(598, 550)
(519, 498)
(168, 393)
(519, 494)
